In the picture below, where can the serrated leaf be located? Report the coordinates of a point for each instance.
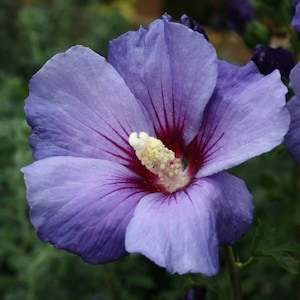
(286, 261)
(263, 246)
(262, 237)
(282, 258)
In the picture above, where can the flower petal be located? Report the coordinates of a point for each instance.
(182, 231)
(296, 17)
(172, 71)
(82, 205)
(295, 79)
(80, 106)
(292, 139)
(267, 59)
(236, 208)
(245, 117)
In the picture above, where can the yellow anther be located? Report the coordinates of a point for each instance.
(159, 160)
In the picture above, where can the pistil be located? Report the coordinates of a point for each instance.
(159, 160)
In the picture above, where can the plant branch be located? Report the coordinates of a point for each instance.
(234, 274)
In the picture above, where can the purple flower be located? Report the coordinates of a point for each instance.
(296, 16)
(268, 59)
(240, 13)
(292, 139)
(131, 152)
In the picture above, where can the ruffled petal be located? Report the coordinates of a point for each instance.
(292, 139)
(245, 117)
(182, 231)
(80, 106)
(172, 70)
(236, 208)
(82, 205)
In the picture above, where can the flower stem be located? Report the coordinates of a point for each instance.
(234, 274)
(295, 224)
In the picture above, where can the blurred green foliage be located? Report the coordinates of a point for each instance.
(272, 25)
(34, 30)
(31, 31)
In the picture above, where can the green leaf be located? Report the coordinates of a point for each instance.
(285, 261)
(263, 246)
(256, 33)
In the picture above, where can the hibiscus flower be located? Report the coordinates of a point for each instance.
(292, 139)
(240, 13)
(268, 59)
(296, 15)
(131, 151)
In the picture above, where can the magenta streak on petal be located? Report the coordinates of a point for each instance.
(79, 123)
(170, 55)
(188, 196)
(126, 133)
(164, 132)
(87, 207)
(207, 153)
(125, 140)
(167, 122)
(171, 137)
(156, 113)
(198, 152)
(122, 149)
(117, 132)
(204, 150)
